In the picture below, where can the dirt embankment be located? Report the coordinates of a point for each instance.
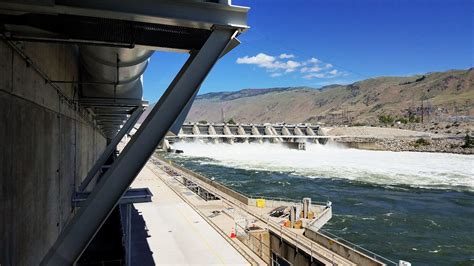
(393, 139)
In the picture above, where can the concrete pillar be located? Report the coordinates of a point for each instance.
(196, 130)
(298, 131)
(270, 131)
(241, 131)
(256, 132)
(165, 145)
(285, 131)
(310, 132)
(212, 131)
(293, 212)
(322, 132)
(306, 207)
(227, 131)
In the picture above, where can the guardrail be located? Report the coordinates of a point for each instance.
(299, 240)
(356, 247)
(280, 199)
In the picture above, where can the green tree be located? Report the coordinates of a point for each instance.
(386, 119)
(468, 142)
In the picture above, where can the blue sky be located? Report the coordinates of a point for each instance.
(320, 42)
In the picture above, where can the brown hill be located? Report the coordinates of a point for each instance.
(441, 94)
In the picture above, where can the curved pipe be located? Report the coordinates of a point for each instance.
(120, 68)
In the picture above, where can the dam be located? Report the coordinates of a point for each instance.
(293, 135)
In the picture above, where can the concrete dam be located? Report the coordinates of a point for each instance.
(292, 134)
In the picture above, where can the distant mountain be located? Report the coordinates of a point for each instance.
(441, 93)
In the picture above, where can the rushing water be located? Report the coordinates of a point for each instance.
(417, 207)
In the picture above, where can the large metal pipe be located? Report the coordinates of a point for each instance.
(113, 73)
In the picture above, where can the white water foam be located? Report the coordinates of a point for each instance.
(425, 170)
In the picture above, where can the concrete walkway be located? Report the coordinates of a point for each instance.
(176, 234)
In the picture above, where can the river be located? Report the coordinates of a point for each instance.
(417, 207)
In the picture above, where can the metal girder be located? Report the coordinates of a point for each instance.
(176, 13)
(111, 102)
(131, 196)
(79, 232)
(111, 148)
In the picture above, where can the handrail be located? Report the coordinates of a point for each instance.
(283, 199)
(357, 247)
(286, 231)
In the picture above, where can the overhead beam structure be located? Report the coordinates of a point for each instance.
(144, 19)
(78, 233)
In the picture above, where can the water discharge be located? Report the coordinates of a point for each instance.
(404, 205)
(413, 169)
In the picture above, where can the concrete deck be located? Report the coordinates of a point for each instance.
(177, 234)
(232, 211)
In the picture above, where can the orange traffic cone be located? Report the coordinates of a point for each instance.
(232, 233)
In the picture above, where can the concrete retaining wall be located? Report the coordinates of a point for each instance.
(341, 249)
(290, 253)
(46, 149)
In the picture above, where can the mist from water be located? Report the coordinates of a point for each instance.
(413, 169)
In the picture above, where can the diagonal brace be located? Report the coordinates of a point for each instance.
(73, 240)
(111, 148)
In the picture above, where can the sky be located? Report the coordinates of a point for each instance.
(321, 42)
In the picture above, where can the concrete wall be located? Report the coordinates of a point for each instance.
(341, 249)
(290, 253)
(46, 149)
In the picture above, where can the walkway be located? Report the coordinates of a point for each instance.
(176, 234)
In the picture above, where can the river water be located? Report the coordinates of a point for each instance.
(417, 207)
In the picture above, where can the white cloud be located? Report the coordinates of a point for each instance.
(311, 69)
(269, 62)
(292, 64)
(286, 56)
(314, 75)
(274, 75)
(278, 66)
(313, 60)
(261, 59)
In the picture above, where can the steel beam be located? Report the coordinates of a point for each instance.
(111, 148)
(121, 102)
(79, 232)
(176, 13)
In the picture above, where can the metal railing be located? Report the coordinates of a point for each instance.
(281, 199)
(300, 241)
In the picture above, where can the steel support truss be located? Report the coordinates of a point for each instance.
(73, 240)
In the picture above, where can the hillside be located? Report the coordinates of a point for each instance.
(442, 94)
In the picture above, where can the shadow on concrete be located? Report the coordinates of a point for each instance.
(106, 247)
(141, 252)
